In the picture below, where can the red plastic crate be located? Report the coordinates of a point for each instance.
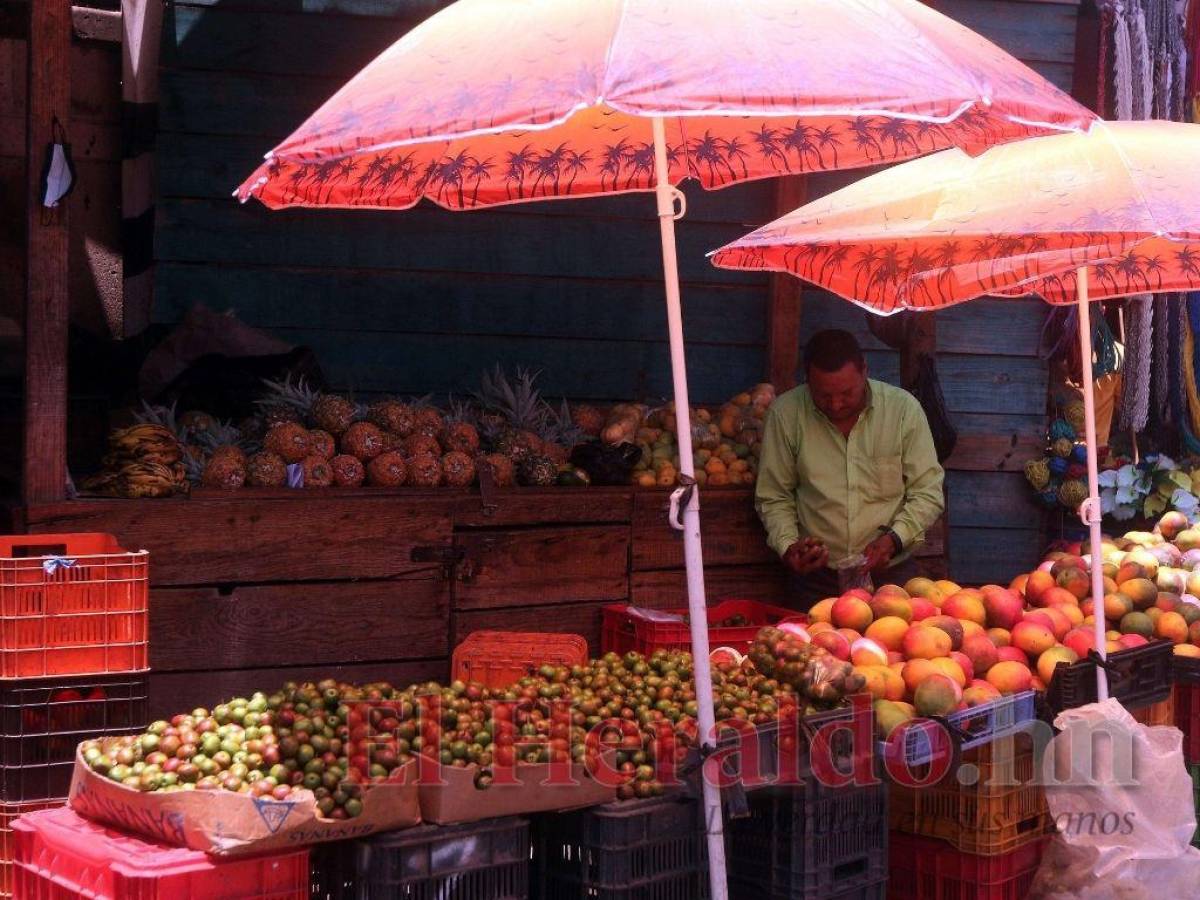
(623, 632)
(42, 721)
(60, 856)
(71, 604)
(929, 869)
(501, 658)
(1187, 720)
(8, 814)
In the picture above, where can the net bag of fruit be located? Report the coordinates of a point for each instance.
(1121, 801)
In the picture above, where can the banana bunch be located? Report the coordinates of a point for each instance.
(144, 460)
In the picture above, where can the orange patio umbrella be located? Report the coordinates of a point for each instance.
(503, 101)
(1071, 218)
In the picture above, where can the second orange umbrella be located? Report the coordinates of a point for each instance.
(1072, 217)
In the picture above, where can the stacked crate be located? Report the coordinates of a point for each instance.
(978, 833)
(60, 856)
(73, 661)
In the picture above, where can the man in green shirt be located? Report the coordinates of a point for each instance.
(848, 466)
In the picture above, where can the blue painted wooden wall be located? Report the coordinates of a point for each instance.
(421, 301)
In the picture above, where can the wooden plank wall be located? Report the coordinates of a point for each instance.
(422, 300)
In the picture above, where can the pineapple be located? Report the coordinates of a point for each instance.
(348, 471)
(421, 444)
(429, 421)
(327, 412)
(514, 412)
(462, 437)
(364, 440)
(280, 415)
(322, 443)
(461, 432)
(538, 471)
(224, 472)
(388, 470)
(517, 444)
(231, 452)
(424, 470)
(458, 469)
(266, 469)
(285, 402)
(393, 416)
(332, 413)
(503, 471)
(289, 440)
(317, 472)
(588, 419)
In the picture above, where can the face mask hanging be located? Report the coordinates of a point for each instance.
(58, 172)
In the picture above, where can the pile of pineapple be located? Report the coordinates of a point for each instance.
(306, 438)
(725, 445)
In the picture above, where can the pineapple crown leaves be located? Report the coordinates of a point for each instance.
(560, 426)
(299, 396)
(151, 414)
(462, 412)
(517, 400)
(225, 434)
(193, 465)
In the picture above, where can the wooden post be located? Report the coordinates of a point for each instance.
(783, 310)
(46, 304)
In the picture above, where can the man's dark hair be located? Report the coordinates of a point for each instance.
(828, 351)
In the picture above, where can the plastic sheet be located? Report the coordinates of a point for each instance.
(1121, 800)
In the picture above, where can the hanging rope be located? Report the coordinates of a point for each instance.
(1142, 59)
(1122, 63)
(1161, 372)
(1105, 51)
(1139, 355)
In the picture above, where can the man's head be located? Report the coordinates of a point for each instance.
(837, 374)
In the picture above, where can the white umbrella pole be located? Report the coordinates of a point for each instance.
(1089, 512)
(690, 517)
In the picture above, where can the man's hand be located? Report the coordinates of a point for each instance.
(879, 552)
(806, 556)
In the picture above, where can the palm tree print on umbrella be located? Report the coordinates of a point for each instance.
(717, 157)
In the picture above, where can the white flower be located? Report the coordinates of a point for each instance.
(1185, 501)
(1127, 495)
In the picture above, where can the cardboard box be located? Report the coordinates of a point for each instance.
(457, 799)
(223, 823)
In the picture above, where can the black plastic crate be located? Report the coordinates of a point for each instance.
(636, 850)
(828, 733)
(485, 860)
(42, 720)
(1141, 676)
(1187, 670)
(809, 841)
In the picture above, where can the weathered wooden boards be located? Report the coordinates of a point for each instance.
(253, 589)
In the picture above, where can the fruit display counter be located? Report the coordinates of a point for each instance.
(369, 584)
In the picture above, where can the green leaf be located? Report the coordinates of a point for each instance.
(1155, 506)
(1181, 480)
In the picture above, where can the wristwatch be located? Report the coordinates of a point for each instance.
(896, 542)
